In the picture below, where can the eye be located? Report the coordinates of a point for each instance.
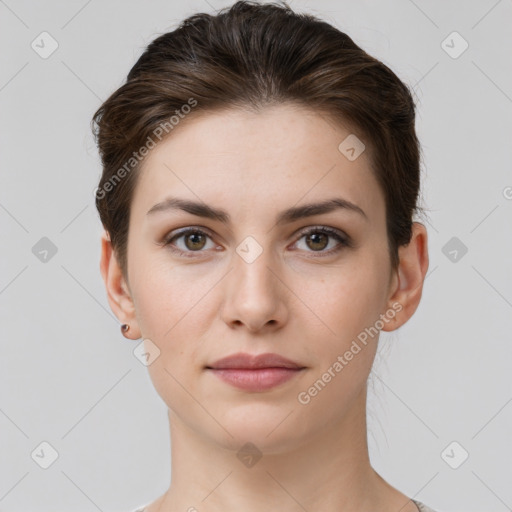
(317, 239)
(194, 241)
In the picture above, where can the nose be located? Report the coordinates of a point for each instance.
(255, 295)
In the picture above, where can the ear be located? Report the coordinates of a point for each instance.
(118, 292)
(407, 283)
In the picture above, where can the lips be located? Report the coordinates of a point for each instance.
(255, 373)
(247, 361)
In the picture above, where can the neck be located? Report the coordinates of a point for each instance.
(329, 471)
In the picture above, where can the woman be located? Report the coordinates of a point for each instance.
(260, 176)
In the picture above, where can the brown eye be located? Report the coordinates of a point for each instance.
(195, 241)
(318, 241)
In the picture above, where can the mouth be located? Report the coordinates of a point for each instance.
(257, 380)
(255, 373)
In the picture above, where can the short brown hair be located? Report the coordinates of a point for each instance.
(249, 56)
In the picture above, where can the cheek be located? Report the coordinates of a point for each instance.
(349, 304)
(347, 299)
(167, 298)
(175, 312)
(170, 313)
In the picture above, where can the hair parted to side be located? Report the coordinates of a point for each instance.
(250, 56)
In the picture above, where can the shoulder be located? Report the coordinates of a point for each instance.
(421, 507)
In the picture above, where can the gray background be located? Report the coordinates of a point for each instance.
(69, 378)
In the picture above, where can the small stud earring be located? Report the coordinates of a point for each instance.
(125, 328)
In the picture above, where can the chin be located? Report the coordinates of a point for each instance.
(270, 427)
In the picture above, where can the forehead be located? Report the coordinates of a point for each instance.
(277, 157)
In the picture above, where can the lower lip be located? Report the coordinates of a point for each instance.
(260, 379)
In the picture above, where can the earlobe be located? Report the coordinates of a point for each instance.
(118, 293)
(408, 283)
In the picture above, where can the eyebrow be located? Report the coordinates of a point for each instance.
(287, 216)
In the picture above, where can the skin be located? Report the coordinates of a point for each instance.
(306, 308)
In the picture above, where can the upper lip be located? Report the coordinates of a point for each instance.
(247, 361)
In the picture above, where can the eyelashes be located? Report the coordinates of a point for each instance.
(343, 241)
(168, 242)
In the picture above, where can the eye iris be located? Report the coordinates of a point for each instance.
(315, 237)
(196, 235)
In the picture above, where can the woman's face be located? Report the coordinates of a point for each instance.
(256, 284)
